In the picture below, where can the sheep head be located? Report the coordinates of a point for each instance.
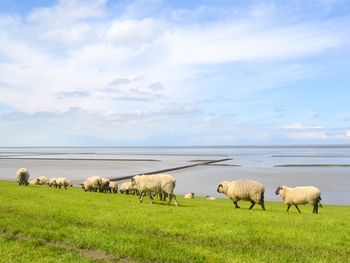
(222, 187)
(281, 190)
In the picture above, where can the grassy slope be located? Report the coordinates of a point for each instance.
(38, 223)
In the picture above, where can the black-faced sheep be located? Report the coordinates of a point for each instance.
(22, 176)
(189, 195)
(300, 196)
(248, 190)
(155, 183)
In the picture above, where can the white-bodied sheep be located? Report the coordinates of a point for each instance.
(300, 196)
(208, 197)
(189, 195)
(34, 181)
(104, 187)
(42, 180)
(52, 181)
(92, 183)
(59, 182)
(126, 187)
(248, 190)
(114, 187)
(155, 183)
(22, 176)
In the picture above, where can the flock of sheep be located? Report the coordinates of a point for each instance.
(163, 185)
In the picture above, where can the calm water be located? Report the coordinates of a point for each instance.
(254, 162)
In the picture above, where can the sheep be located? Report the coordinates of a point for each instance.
(189, 195)
(300, 196)
(104, 187)
(126, 187)
(92, 183)
(155, 183)
(114, 187)
(42, 180)
(22, 176)
(34, 181)
(249, 190)
(59, 182)
(52, 181)
(208, 197)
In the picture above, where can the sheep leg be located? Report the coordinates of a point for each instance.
(151, 197)
(288, 207)
(171, 196)
(141, 197)
(235, 203)
(252, 205)
(263, 206)
(297, 208)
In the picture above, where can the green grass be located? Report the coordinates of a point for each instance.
(41, 224)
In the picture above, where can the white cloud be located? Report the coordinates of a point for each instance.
(77, 45)
(348, 133)
(134, 32)
(76, 54)
(300, 126)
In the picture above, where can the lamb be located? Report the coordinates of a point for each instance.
(189, 195)
(155, 183)
(22, 176)
(92, 183)
(300, 196)
(114, 187)
(248, 190)
(52, 182)
(59, 182)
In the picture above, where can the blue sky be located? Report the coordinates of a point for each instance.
(119, 73)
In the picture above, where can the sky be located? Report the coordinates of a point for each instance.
(174, 73)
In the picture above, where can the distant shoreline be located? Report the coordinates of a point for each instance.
(191, 146)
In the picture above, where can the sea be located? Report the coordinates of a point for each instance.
(324, 166)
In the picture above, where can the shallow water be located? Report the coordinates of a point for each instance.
(255, 163)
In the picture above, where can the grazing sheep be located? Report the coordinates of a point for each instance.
(42, 180)
(104, 187)
(155, 183)
(52, 181)
(34, 181)
(92, 183)
(189, 195)
(300, 196)
(208, 197)
(114, 187)
(59, 182)
(22, 176)
(126, 187)
(249, 190)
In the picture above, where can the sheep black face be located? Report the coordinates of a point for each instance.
(278, 190)
(219, 188)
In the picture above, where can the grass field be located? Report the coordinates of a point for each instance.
(40, 224)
